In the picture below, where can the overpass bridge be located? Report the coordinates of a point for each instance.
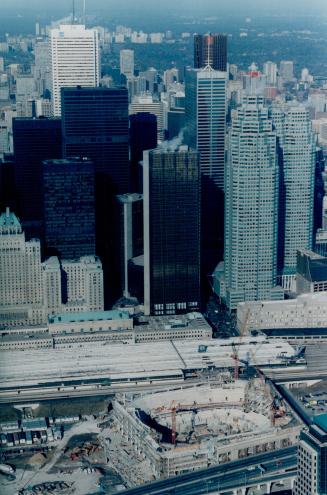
(237, 477)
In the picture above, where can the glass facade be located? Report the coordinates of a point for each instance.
(69, 213)
(205, 117)
(210, 49)
(35, 140)
(142, 136)
(95, 124)
(172, 231)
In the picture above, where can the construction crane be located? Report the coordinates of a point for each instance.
(174, 408)
(277, 410)
(236, 349)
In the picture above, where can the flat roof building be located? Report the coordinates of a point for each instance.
(311, 271)
(306, 311)
(171, 180)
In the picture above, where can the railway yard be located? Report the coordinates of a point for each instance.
(166, 409)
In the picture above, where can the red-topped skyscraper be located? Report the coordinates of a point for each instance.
(210, 49)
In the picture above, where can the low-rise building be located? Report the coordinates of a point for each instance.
(191, 326)
(115, 326)
(24, 342)
(90, 321)
(306, 311)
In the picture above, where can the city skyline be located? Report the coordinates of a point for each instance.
(163, 247)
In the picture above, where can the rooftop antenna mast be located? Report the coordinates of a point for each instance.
(73, 12)
(84, 14)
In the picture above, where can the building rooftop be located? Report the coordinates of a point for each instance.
(302, 299)
(321, 421)
(312, 266)
(9, 219)
(295, 332)
(89, 316)
(31, 337)
(67, 161)
(138, 260)
(129, 197)
(52, 262)
(40, 366)
(173, 323)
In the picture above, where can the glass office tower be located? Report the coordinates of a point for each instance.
(210, 49)
(95, 124)
(171, 184)
(69, 208)
(35, 140)
(205, 129)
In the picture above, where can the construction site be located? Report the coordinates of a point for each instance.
(178, 431)
(193, 428)
(218, 408)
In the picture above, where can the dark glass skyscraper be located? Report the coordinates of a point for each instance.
(35, 140)
(171, 231)
(143, 136)
(210, 49)
(69, 210)
(95, 124)
(8, 195)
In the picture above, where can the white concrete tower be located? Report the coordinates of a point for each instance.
(75, 59)
(270, 71)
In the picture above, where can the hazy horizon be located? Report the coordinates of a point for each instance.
(171, 6)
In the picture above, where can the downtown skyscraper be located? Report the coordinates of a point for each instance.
(251, 207)
(35, 140)
(171, 183)
(75, 59)
(297, 153)
(205, 129)
(95, 125)
(142, 136)
(69, 207)
(210, 49)
(127, 63)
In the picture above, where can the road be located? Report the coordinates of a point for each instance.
(227, 476)
(294, 375)
(223, 323)
(38, 395)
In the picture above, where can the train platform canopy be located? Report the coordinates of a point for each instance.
(43, 366)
